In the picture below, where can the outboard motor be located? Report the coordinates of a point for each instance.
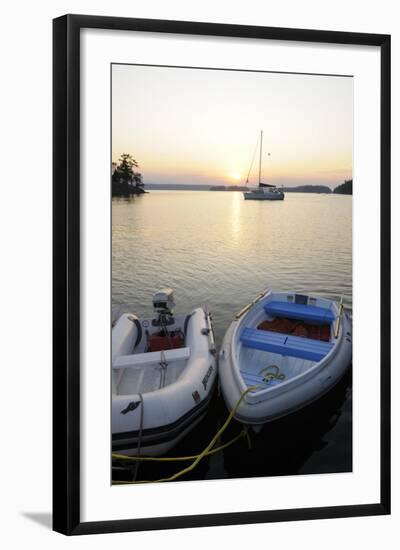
(163, 304)
(163, 301)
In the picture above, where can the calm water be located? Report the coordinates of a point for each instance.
(216, 249)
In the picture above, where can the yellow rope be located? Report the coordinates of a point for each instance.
(243, 433)
(204, 452)
(209, 449)
(268, 375)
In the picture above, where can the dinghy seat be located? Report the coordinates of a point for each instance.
(301, 312)
(150, 358)
(283, 344)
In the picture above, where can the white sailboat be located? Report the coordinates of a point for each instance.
(264, 191)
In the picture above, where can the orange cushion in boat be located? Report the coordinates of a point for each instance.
(297, 328)
(280, 324)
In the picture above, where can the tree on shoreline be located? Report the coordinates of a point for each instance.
(125, 181)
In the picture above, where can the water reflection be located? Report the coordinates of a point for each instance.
(235, 219)
(216, 249)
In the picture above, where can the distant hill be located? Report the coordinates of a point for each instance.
(308, 189)
(229, 188)
(178, 186)
(199, 187)
(345, 188)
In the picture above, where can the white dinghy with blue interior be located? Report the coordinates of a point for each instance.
(163, 374)
(282, 352)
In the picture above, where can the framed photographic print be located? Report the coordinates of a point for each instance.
(221, 288)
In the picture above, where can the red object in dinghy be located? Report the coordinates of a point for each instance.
(159, 342)
(297, 328)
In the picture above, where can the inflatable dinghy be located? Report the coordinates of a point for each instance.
(163, 374)
(289, 348)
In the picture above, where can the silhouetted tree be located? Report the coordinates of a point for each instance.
(124, 179)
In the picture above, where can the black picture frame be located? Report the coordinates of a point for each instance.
(66, 273)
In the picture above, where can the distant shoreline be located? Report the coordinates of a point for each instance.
(318, 189)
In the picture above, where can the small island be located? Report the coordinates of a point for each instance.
(124, 180)
(345, 188)
(308, 189)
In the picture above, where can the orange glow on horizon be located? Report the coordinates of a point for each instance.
(292, 171)
(203, 127)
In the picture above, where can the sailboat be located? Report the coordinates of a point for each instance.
(264, 191)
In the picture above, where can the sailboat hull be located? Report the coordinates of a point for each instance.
(252, 196)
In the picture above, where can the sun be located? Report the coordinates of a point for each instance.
(236, 176)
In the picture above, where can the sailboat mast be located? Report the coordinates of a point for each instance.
(259, 169)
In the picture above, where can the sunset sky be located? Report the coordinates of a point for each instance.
(196, 126)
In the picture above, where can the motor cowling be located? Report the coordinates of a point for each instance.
(163, 301)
